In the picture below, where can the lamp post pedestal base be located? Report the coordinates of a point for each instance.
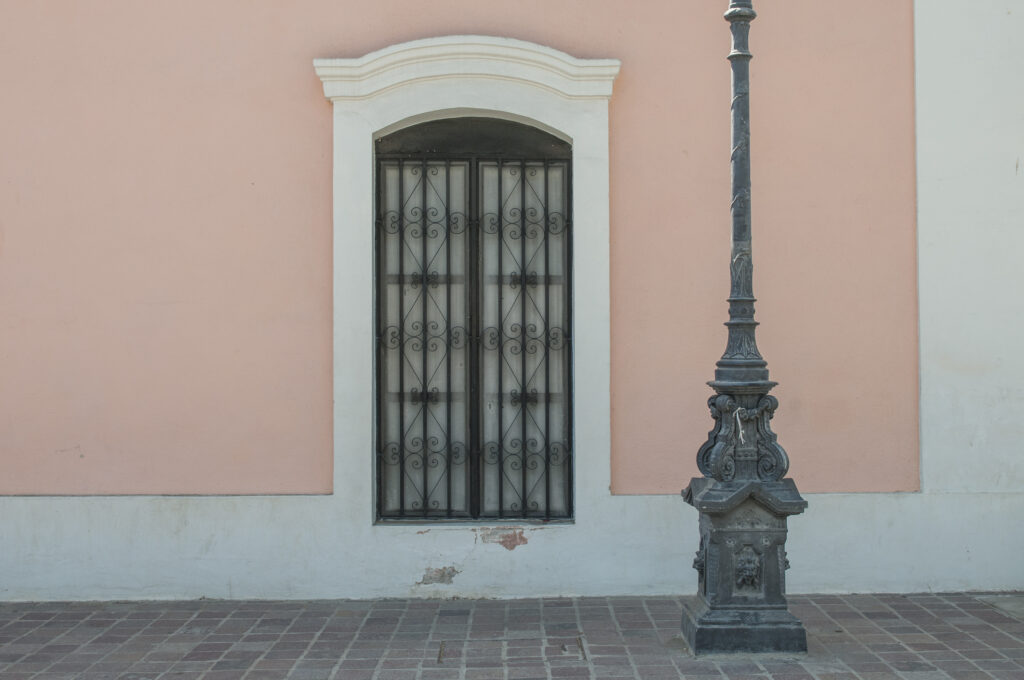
(741, 565)
(710, 631)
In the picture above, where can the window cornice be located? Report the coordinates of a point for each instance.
(467, 56)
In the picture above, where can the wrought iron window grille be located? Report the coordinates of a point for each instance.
(473, 316)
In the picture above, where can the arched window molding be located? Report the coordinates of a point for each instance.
(452, 76)
(463, 57)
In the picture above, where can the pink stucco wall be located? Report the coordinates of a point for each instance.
(165, 234)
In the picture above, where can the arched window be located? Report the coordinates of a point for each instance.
(473, 316)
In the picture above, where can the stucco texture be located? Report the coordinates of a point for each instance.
(165, 234)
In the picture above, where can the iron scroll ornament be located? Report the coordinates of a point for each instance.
(742, 431)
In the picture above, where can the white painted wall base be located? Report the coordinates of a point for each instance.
(302, 547)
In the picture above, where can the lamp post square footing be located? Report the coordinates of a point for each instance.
(711, 631)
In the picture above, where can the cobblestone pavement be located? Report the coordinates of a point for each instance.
(872, 637)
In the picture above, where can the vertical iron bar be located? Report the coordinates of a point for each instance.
(423, 318)
(448, 331)
(501, 347)
(547, 353)
(401, 338)
(524, 405)
(381, 287)
(567, 346)
(473, 295)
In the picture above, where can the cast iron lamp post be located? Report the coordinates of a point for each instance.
(743, 498)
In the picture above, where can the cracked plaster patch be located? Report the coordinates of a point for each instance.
(438, 575)
(509, 539)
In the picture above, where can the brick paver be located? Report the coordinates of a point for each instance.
(872, 637)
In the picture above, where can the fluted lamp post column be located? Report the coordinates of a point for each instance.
(743, 496)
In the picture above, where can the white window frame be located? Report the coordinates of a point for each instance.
(446, 77)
